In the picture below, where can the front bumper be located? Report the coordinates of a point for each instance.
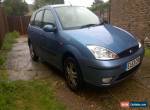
(94, 71)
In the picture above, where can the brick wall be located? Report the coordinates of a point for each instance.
(132, 15)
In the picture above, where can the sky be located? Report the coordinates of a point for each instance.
(86, 3)
(29, 1)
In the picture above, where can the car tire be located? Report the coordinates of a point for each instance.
(33, 55)
(73, 74)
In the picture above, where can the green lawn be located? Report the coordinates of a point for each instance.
(147, 52)
(6, 47)
(28, 95)
(23, 95)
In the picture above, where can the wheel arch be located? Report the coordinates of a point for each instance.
(70, 50)
(68, 54)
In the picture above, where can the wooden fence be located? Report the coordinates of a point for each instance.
(18, 23)
(3, 25)
(12, 23)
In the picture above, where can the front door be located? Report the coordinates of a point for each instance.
(50, 40)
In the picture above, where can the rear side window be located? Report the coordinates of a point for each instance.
(48, 18)
(38, 19)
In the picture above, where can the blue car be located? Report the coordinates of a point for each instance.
(77, 42)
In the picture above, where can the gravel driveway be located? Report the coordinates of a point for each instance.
(137, 88)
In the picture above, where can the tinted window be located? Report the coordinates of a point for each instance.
(38, 19)
(48, 18)
(75, 17)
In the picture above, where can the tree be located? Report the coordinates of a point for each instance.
(100, 5)
(15, 7)
(40, 3)
(99, 1)
(0, 1)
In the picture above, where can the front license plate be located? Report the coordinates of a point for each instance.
(133, 63)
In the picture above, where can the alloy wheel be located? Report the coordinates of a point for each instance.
(72, 74)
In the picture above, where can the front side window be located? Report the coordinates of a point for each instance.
(48, 18)
(38, 19)
(76, 17)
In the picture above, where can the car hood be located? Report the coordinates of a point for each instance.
(108, 36)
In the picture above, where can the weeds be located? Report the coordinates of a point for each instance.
(147, 52)
(9, 39)
(28, 95)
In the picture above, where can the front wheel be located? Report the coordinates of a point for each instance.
(73, 74)
(32, 53)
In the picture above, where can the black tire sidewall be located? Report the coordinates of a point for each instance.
(34, 57)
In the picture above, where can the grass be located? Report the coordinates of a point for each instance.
(31, 95)
(10, 38)
(147, 52)
(23, 95)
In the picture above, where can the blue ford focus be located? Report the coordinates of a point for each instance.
(74, 40)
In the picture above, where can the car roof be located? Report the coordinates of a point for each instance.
(59, 5)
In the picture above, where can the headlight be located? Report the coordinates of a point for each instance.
(102, 53)
(140, 45)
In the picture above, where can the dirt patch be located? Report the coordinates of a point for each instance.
(137, 88)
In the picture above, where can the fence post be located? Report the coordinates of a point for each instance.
(3, 26)
(22, 32)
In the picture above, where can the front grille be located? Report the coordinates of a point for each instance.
(128, 52)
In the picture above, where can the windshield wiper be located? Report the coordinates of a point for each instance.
(89, 25)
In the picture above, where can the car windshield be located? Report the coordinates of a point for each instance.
(72, 17)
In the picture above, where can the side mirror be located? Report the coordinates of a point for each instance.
(49, 28)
